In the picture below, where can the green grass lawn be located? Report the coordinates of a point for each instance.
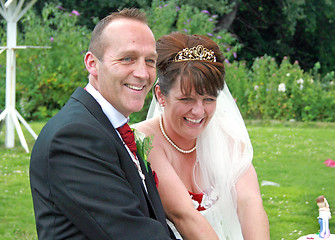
(16, 208)
(293, 155)
(290, 154)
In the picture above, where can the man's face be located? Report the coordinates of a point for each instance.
(127, 70)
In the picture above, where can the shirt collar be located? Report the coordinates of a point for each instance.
(115, 117)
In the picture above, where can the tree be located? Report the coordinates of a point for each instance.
(89, 10)
(302, 30)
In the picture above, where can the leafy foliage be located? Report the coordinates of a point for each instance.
(284, 92)
(302, 30)
(167, 16)
(92, 10)
(47, 77)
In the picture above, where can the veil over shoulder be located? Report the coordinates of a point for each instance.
(224, 153)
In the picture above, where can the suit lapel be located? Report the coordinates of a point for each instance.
(152, 198)
(94, 108)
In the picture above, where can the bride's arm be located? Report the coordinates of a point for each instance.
(252, 216)
(177, 202)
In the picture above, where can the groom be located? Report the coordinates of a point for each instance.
(85, 182)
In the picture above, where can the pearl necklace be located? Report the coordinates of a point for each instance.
(170, 141)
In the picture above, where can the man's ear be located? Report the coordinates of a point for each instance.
(159, 95)
(91, 63)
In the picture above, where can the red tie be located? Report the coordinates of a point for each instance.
(128, 137)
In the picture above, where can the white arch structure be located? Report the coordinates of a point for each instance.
(12, 11)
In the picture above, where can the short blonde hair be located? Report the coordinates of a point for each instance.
(97, 44)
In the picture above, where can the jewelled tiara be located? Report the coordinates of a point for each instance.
(196, 53)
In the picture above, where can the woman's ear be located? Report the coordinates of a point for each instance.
(91, 63)
(159, 95)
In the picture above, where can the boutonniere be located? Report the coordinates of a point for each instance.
(143, 145)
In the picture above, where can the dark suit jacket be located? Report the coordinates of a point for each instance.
(84, 183)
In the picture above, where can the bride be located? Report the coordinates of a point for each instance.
(201, 149)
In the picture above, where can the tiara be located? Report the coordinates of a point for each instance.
(196, 53)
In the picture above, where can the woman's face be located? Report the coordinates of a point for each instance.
(186, 116)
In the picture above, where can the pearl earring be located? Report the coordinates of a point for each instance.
(161, 107)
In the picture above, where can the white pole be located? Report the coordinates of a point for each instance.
(11, 11)
(8, 3)
(19, 130)
(10, 77)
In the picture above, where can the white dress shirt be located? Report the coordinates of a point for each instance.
(117, 119)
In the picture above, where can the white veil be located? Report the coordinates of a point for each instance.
(224, 153)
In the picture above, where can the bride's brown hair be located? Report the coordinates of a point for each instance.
(206, 77)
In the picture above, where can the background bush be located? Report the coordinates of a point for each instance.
(302, 30)
(267, 90)
(47, 77)
(284, 92)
